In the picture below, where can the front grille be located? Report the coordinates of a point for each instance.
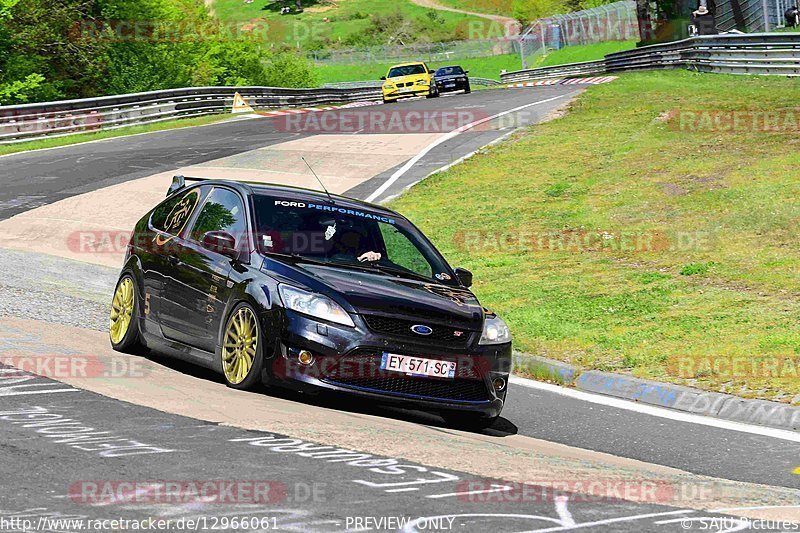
(361, 369)
(459, 389)
(402, 328)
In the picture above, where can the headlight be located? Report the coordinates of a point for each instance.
(315, 305)
(495, 331)
(389, 86)
(422, 82)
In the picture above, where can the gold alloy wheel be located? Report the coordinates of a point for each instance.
(121, 310)
(240, 346)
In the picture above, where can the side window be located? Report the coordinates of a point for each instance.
(222, 211)
(172, 215)
(402, 252)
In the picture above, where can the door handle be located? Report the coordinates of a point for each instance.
(173, 260)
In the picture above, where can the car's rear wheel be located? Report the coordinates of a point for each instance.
(123, 327)
(241, 348)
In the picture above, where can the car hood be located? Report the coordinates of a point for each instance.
(381, 294)
(405, 79)
(451, 77)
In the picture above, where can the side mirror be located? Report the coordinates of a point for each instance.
(466, 72)
(464, 276)
(221, 242)
(383, 78)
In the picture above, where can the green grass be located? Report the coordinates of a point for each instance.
(578, 53)
(335, 23)
(107, 134)
(481, 67)
(671, 245)
(492, 7)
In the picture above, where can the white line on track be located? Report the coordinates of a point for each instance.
(563, 511)
(610, 521)
(444, 138)
(661, 412)
(495, 488)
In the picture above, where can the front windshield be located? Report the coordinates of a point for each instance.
(346, 237)
(449, 71)
(406, 70)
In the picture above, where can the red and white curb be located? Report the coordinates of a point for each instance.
(301, 110)
(597, 80)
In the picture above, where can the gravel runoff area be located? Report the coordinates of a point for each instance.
(52, 289)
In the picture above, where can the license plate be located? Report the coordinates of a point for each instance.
(450, 85)
(418, 366)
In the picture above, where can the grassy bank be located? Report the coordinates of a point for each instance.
(588, 52)
(628, 237)
(482, 67)
(492, 7)
(351, 23)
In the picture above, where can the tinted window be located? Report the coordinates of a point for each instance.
(171, 216)
(222, 211)
(345, 236)
(401, 251)
(449, 71)
(407, 70)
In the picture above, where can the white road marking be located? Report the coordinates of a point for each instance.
(610, 521)
(497, 488)
(8, 392)
(407, 489)
(411, 527)
(661, 412)
(740, 524)
(563, 511)
(444, 138)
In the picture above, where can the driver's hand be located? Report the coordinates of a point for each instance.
(370, 256)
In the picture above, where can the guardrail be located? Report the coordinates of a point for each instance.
(755, 53)
(484, 82)
(53, 119)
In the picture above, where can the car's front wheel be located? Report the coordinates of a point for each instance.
(241, 348)
(434, 92)
(123, 328)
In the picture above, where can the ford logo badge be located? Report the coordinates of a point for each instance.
(419, 329)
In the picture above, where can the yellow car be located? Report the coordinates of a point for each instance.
(408, 79)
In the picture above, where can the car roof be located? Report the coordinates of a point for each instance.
(450, 66)
(289, 192)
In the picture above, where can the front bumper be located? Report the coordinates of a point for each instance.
(347, 360)
(396, 94)
(446, 86)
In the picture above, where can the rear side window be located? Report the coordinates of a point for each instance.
(172, 215)
(223, 210)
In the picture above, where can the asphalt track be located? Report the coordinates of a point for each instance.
(46, 474)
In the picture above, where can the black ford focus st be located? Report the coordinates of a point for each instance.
(285, 286)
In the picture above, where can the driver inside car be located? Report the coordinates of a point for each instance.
(348, 242)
